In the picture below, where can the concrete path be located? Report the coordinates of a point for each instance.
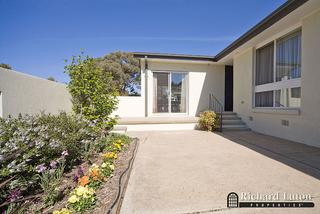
(193, 172)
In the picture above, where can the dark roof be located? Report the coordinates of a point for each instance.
(267, 22)
(172, 56)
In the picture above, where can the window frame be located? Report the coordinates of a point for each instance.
(275, 85)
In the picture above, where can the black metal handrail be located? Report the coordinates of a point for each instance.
(217, 107)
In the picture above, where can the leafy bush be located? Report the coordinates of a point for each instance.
(93, 91)
(207, 120)
(29, 141)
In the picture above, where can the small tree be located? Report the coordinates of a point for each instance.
(125, 71)
(7, 66)
(93, 91)
(51, 79)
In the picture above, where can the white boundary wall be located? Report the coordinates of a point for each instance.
(26, 94)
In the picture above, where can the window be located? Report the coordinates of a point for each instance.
(264, 99)
(278, 72)
(289, 57)
(265, 69)
(288, 98)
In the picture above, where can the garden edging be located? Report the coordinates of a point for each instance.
(116, 205)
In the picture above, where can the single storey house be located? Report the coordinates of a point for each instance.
(266, 80)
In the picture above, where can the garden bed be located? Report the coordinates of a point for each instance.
(107, 194)
(61, 165)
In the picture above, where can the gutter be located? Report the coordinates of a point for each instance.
(172, 56)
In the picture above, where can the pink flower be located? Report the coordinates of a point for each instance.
(53, 164)
(41, 168)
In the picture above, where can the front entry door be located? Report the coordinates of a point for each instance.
(169, 92)
(228, 98)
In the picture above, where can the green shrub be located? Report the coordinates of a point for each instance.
(207, 120)
(93, 91)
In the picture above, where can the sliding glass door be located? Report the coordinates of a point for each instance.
(161, 92)
(169, 92)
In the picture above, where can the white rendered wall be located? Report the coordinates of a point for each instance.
(203, 79)
(25, 94)
(132, 106)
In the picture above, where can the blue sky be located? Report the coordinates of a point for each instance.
(37, 35)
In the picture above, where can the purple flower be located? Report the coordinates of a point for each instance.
(75, 178)
(41, 168)
(80, 171)
(65, 153)
(53, 164)
(14, 195)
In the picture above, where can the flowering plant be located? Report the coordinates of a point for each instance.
(50, 178)
(110, 155)
(84, 180)
(29, 143)
(96, 176)
(62, 211)
(82, 198)
(107, 169)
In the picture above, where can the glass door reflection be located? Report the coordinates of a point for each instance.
(169, 92)
(178, 92)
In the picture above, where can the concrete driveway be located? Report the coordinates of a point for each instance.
(193, 172)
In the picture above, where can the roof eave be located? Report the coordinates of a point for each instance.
(172, 56)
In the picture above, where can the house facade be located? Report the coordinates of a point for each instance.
(269, 77)
(267, 81)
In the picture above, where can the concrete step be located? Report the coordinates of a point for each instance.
(242, 127)
(233, 122)
(230, 117)
(229, 113)
(119, 129)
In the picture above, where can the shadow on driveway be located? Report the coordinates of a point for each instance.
(296, 155)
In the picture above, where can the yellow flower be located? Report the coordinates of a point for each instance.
(56, 212)
(117, 145)
(111, 166)
(104, 165)
(73, 199)
(110, 155)
(88, 193)
(65, 211)
(80, 190)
